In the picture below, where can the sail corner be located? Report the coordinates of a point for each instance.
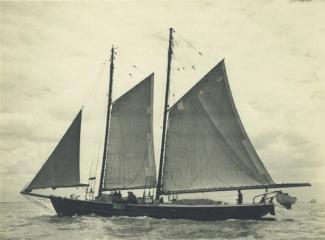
(61, 169)
(151, 75)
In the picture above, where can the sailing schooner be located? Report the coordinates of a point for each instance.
(204, 148)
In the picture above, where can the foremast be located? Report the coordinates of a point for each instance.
(163, 138)
(109, 107)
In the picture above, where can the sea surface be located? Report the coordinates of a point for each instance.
(27, 221)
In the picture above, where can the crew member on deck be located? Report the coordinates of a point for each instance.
(240, 197)
(132, 198)
(115, 194)
(119, 194)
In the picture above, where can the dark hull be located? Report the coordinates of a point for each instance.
(70, 207)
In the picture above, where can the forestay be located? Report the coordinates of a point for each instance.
(206, 144)
(130, 159)
(62, 167)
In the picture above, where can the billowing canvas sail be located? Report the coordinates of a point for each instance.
(206, 144)
(130, 160)
(62, 167)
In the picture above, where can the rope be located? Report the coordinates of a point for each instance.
(98, 156)
(155, 34)
(188, 43)
(94, 90)
(39, 204)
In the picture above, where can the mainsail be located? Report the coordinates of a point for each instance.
(130, 162)
(62, 167)
(206, 144)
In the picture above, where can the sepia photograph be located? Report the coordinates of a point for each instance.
(140, 119)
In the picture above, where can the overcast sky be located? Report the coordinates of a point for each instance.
(54, 60)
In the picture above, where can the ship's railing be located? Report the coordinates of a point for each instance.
(267, 197)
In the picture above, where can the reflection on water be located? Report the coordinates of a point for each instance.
(26, 221)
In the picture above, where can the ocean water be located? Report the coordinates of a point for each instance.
(27, 221)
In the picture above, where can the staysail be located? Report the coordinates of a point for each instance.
(62, 167)
(206, 144)
(130, 162)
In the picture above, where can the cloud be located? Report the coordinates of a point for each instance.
(287, 150)
(52, 54)
(302, 1)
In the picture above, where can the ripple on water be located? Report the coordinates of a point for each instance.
(25, 221)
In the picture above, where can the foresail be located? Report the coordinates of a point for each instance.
(62, 167)
(206, 144)
(130, 159)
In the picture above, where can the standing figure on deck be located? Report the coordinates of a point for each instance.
(132, 198)
(115, 195)
(240, 197)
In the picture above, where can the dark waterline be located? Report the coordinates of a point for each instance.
(27, 221)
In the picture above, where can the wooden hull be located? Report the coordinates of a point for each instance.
(70, 207)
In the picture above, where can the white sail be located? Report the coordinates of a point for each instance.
(206, 144)
(130, 159)
(62, 167)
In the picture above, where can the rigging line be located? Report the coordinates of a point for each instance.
(179, 59)
(164, 169)
(27, 184)
(93, 95)
(94, 90)
(98, 156)
(93, 157)
(152, 35)
(155, 34)
(206, 52)
(91, 168)
(188, 42)
(162, 34)
(189, 60)
(95, 154)
(39, 204)
(96, 130)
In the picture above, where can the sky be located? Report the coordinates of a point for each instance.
(54, 60)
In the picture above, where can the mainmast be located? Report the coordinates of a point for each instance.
(109, 105)
(163, 139)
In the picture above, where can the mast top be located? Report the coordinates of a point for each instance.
(112, 54)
